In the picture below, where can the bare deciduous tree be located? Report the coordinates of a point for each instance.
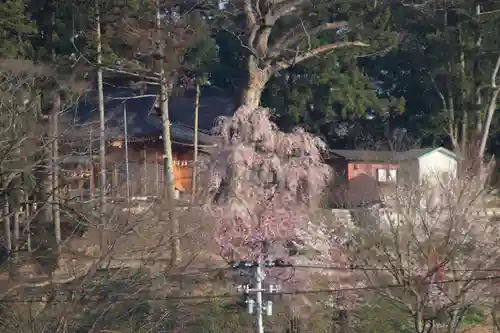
(434, 246)
(73, 288)
(94, 289)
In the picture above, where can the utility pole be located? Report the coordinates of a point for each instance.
(258, 306)
(195, 153)
(127, 171)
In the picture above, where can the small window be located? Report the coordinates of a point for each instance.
(382, 175)
(387, 175)
(392, 173)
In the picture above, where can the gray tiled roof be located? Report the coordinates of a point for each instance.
(384, 156)
(210, 108)
(365, 155)
(141, 117)
(414, 153)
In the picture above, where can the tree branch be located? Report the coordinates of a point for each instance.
(451, 116)
(251, 22)
(250, 14)
(490, 110)
(286, 41)
(495, 73)
(119, 71)
(309, 54)
(287, 9)
(262, 41)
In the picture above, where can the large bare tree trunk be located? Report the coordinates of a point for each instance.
(271, 55)
(255, 85)
(167, 144)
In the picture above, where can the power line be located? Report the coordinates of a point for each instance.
(280, 263)
(341, 268)
(177, 273)
(389, 286)
(124, 298)
(174, 273)
(360, 268)
(121, 298)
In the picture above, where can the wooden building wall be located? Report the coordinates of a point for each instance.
(146, 171)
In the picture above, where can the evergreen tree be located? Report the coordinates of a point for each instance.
(445, 69)
(273, 36)
(330, 97)
(15, 29)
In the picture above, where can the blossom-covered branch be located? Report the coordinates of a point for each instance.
(261, 182)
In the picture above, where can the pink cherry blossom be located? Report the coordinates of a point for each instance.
(261, 182)
(261, 186)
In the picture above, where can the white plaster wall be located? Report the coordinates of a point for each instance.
(436, 165)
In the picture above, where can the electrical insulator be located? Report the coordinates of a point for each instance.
(250, 305)
(269, 308)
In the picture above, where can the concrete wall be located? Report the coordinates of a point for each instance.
(383, 216)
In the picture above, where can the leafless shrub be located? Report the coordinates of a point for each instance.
(432, 248)
(77, 286)
(124, 287)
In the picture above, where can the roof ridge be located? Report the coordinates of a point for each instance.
(384, 155)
